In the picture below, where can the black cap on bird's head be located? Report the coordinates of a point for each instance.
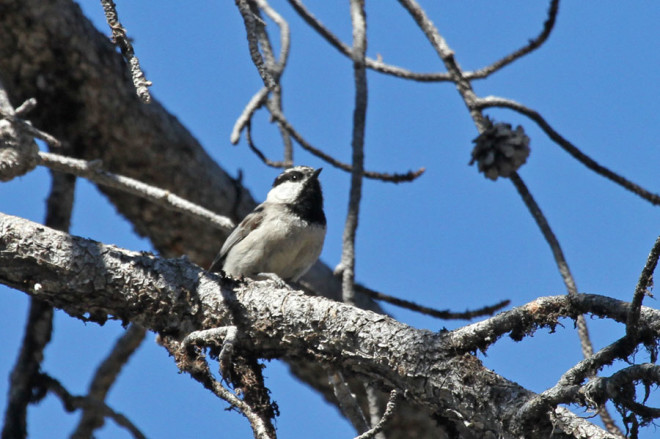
(298, 173)
(300, 189)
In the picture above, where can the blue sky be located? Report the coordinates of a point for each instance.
(452, 239)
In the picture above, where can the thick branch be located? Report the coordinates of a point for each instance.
(139, 141)
(175, 297)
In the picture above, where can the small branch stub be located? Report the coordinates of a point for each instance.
(500, 150)
(18, 151)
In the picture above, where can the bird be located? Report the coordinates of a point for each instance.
(284, 235)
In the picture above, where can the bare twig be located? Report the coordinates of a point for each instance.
(225, 337)
(373, 407)
(251, 21)
(23, 377)
(567, 388)
(198, 369)
(348, 402)
(618, 388)
(255, 103)
(39, 325)
(27, 106)
(34, 132)
(642, 289)
(447, 56)
(358, 18)
(93, 172)
(274, 68)
(493, 101)
(277, 68)
(257, 151)
(376, 65)
(285, 35)
(441, 314)
(400, 72)
(558, 254)
(105, 376)
(120, 39)
(72, 403)
(547, 232)
(532, 45)
(387, 415)
(392, 178)
(275, 109)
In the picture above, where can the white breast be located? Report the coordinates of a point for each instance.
(283, 244)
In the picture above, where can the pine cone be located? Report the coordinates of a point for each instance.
(500, 151)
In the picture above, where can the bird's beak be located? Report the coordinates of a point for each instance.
(316, 173)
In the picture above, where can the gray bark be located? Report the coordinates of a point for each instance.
(175, 297)
(51, 52)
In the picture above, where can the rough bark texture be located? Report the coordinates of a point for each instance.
(50, 51)
(174, 297)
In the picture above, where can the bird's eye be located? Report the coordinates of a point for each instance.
(295, 176)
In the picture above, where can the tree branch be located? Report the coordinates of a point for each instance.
(493, 101)
(642, 289)
(347, 264)
(39, 325)
(393, 178)
(532, 45)
(94, 172)
(175, 297)
(72, 403)
(106, 374)
(120, 39)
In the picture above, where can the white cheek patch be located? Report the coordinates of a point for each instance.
(286, 192)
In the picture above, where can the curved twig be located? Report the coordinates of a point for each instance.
(285, 35)
(72, 402)
(493, 101)
(440, 314)
(445, 53)
(392, 178)
(105, 375)
(277, 67)
(120, 39)
(347, 401)
(257, 101)
(404, 73)
(259, 153)
(558, 254)
(612, 386)
(198, 368)
(387, 415)
(532, 45)
(93, 172)
(251, 21)
(566, 389)
(645, 281)
(371, 63)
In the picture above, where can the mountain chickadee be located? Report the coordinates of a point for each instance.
(283, 235)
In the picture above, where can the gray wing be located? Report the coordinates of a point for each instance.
(249, 223)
